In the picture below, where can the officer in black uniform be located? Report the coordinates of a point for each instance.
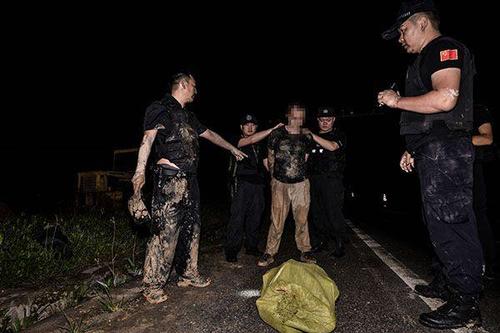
(248, 179)
(436, 121)
(326, 170)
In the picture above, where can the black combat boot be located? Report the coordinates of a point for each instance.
(459, 311)
(436, 289)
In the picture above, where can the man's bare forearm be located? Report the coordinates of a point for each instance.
(145, 150)
(257, 137)
(217, 140)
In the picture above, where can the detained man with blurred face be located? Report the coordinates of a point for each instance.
(287, 156)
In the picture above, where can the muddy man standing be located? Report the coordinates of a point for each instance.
(174, 132)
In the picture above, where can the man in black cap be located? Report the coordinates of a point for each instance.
(326, 168)
(173, 131)
(248, 180)
(436, 121)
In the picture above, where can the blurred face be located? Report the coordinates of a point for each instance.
(410, 36)
(296, 116)
(325, 124)
(248, 129)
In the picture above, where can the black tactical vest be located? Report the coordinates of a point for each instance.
(459, 118)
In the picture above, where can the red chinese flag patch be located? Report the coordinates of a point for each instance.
(448, 55)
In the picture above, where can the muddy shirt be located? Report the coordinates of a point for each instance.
(289, 155)
(324, 162)
(178, 131)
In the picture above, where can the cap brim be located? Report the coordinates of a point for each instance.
(392, 32)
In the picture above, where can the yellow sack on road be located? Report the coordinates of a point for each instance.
(298, 297)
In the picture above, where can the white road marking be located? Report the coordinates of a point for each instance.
(249, 293)
(411, 279)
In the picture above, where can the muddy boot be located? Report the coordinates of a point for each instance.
(154, 295)
(459, 311)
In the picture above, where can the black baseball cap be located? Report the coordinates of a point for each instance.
(407, 9)
(325, 112)
(248, 118)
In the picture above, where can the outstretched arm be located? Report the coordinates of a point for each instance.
(139, 177)
(257, 136)
(219, 141)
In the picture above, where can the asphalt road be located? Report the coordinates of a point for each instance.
(373, 297)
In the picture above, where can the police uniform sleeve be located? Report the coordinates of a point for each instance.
(441, 55)
(154, 116)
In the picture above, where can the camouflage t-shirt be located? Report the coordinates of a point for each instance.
(178, 131)
(289, 155)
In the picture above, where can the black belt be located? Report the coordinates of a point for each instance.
(170, 172)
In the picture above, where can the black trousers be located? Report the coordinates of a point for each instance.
(326, 219)
(445, 169)
(247, 207)
(483, 224)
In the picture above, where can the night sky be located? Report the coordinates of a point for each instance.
(79, 78)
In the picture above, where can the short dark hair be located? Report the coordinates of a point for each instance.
(177, 78)
(432, 16)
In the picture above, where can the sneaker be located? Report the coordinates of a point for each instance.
(154, 296)
(231, 258)
(197, 281)
(307, 258)
(254, 252)
(265, 260)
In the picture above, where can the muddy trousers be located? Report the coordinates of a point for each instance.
(446, 178)
(486, 235)
(326, 220)
(247, 207)
(282, 195)
(176, 216)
